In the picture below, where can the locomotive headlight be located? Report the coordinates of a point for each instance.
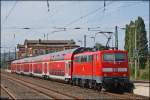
(122, 69)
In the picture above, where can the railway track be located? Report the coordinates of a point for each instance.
(12, 96)
(46, 91)
(114, 95)
(127, 96)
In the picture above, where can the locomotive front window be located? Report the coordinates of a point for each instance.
(120, 57)
(114, 57)
(108, 57)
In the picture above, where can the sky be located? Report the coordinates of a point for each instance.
(16, 15)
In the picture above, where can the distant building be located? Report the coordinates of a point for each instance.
(37, 47)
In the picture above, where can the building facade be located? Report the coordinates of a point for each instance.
(38, 47)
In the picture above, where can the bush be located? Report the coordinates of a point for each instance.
(144, 75)
(131, 72)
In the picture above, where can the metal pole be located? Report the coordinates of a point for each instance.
(85, 41)
(135, 56)
(116, 37)
(94, 41)
(149, 43)
(15, 53)
(8, 60)
(4, 59)
(9, 55)
(47, 36)
(138, 61)
(80, 42)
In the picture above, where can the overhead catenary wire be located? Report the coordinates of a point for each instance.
(104, 5)
(48, 5)
(6, 17)
(122, 6)
(10, 11)
(94, 11)
(103, 12)
(86, 15)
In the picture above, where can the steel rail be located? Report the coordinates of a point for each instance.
(8, 92)
(41, 89)
(127, 96)
(120, 96)
(137, 96)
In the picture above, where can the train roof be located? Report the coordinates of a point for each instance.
(52, 56)
(102, 51)
(111, 50)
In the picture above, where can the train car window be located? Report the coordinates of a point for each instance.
(108, 57)
(89, 58)
(114, 57)
(35, 68)
(82, 58)
(96, 57)
(78, 59)
(85, 58)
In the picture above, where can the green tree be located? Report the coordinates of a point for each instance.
(142, 43)
(129, 39)
(126, 46)
(141, 40)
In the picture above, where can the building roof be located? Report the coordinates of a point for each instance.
(52, 56)
(20, 46)
(49, 41)
(65, 45)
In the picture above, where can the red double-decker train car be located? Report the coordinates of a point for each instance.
(106, 69)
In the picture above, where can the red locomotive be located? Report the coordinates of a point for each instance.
(106, 69)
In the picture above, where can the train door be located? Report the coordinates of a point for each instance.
(22, 67)
(67, 69)
(94, 65)
(30, 67)
(45, 67)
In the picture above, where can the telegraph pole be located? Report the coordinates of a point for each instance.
(80, 42)
(44, 36)
(94, 40)
(47, 36)
(8, 61)
(149, 43)
(135, 52)
(116, 37)
(4, 58)
(9, 55)
(15, 53)
(85, 41)
(135, 55)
